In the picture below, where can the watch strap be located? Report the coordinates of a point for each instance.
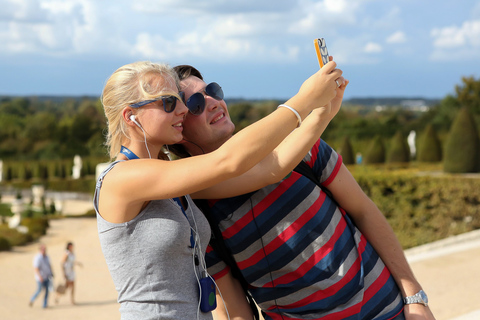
(420, 297)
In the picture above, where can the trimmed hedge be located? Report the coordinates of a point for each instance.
(4, 244)
(399, 150)
(462, 150)
(376, 151)
(422, 209)
(346, 151)
(430, 148)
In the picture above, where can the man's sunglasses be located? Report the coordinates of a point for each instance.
(196, 102)
(169, 102)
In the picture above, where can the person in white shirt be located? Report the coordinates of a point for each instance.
(43, 273)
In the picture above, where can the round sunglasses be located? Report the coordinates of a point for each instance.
(196, 102)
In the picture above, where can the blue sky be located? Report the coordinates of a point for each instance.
(253, 48)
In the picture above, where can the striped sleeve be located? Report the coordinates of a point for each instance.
(324, 161)
(216, 267)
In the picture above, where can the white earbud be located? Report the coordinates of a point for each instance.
(132, 117)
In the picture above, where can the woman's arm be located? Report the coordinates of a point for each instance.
(375, 227)
(234, 298)
(283, 159)
(131, 183)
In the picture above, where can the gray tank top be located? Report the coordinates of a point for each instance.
(151, 260)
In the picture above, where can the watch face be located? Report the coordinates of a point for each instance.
(423, 296)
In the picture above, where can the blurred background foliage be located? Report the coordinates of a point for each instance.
(39, 136)
(34, 128)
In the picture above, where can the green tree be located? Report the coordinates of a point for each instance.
(242, 114)
(346, 151)
(468, 94)
(399, 150)
(430, 148)
(376, 151)
(462, 150)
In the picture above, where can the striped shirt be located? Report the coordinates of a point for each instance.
(301, 254)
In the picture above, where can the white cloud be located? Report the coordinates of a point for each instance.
(372, 47)
(212, 7)
(27, 11)
(337, 6)
(210, 46)
(460, 42)
(466, 35)
(397, 37)
(325, 15)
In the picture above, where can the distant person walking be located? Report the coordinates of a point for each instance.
(68, 264)
(43, 273)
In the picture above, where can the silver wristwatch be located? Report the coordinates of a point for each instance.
(419, 297)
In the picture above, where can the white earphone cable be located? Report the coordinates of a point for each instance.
(204, 263)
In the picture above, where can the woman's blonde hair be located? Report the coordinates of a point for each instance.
(130, 84)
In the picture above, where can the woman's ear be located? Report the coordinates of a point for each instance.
(128, 116)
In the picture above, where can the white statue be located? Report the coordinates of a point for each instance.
(411, 143)
(77, 167)
(38, 192)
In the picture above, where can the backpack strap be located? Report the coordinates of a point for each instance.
(304, 169)
(217, 243)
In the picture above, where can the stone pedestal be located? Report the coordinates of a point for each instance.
(17, 209)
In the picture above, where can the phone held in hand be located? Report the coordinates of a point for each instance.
(322, 52)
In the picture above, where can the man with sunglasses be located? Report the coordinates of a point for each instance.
(301, 254)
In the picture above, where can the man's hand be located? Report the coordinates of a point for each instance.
(330, 110)
(416, 311)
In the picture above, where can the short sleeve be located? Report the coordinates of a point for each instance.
(36, 261)
(216, 267)
(324, 161)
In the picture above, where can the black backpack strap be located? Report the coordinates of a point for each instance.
(304, 169)
(217, 243)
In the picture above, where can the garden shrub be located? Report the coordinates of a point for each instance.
(346, 151)
(37, 227)
(4, 244)
(462, 150)
(376, 151)
(399, 150)
(14, 237)
(430, 148)
(422, 209)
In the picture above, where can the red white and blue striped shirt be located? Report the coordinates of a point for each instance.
(301, 254)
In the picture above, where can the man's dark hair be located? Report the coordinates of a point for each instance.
(183, 71)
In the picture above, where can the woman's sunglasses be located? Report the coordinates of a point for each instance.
(196, 102)
(169, 102)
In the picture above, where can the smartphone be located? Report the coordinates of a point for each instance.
(322, 52)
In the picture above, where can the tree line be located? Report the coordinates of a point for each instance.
(39, 129)
(32, 129)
